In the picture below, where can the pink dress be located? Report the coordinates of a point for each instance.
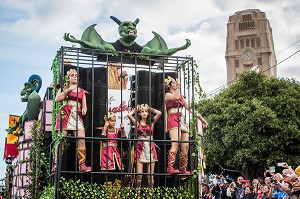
(109, 154)
(145, 152)
(69, 112)
(175, 117)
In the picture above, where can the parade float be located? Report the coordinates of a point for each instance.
(113, 78)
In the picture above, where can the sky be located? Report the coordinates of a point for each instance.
(32, 32)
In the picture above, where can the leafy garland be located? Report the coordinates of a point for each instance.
(56, 106)
(192, 71)
(78, 189)
(48, 192)
(37, 161)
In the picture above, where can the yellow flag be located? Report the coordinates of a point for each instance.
(11, 138)
(12, 120)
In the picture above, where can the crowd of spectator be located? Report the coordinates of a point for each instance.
(283, 185)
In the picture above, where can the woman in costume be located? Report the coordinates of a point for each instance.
(176, 126)
(145, 151)
(71, 114)
(110, 158)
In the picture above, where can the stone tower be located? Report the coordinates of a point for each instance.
(249, 44)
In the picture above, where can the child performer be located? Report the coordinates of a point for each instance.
(145, 150)
(110, 158)
(176, 127)
(72, 112)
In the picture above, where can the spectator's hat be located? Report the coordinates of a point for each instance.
(245, 181)
(297, 170)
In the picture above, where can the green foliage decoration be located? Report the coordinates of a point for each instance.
(192, 82)
(77, 189)
(56, 107)
(48, 192)
(37, 162)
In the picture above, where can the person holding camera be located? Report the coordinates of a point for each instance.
(219, 190)
(240, 187)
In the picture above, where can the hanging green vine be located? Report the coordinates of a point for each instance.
(56, 80)
(37, 162)
(56, 106)
(189, 69)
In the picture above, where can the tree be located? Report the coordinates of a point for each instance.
(253, 124)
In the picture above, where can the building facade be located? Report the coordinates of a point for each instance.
(249, 44)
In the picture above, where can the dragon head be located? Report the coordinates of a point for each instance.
(34, 84)
(127, 29)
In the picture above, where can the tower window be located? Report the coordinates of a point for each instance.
(252, 43)
(242, 43)
(247, 42)
(237, 63)
(246, 17)
(236, 44)
(258, 42)
(259, 61)
(247, 22)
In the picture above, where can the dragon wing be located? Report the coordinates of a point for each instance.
(91, 35)
(157, 43)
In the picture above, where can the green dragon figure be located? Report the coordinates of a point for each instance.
(128, 32)
(30, 95)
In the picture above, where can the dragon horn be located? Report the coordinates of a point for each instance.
(136, 21)
(116, 20)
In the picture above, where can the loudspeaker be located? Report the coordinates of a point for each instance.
(96, 100)
(97, 106)
(159, 87)
(145, 88)
(99, 74)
